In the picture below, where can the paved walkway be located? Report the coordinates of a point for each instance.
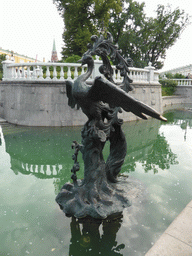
(177, 239)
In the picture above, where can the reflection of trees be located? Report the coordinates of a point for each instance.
(179, 117)
(183, 118)
(160, 156)
(90, 241)
(46, 152)
(131, 166)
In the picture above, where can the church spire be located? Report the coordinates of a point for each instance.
(54, 47)
(54, 57)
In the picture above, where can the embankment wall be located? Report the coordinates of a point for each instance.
(45, 103)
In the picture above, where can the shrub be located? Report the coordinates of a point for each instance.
(72, 59)
(174, 76)
(179, 76)
(168, 86)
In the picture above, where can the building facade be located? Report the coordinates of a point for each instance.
(17, 58)
(185, 70)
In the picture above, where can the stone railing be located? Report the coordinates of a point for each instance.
(40, 71)
(183, 82)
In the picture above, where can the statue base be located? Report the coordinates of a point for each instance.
(112, 199)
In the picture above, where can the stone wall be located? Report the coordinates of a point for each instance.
(186, 92)
(45, 103)
(182, 96)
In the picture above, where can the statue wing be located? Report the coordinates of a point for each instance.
(71, 100)
(104, 90)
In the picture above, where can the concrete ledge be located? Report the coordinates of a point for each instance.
(2, 120)
(177, 239)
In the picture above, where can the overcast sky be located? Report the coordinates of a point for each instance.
(29, 27)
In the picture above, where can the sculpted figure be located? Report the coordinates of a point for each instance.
(98, 195)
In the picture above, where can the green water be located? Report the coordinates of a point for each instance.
(36, 162)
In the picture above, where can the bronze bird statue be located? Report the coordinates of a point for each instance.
(98, 194)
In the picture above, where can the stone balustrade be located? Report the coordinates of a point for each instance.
(40, 71)
(183, 82)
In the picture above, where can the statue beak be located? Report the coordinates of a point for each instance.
(81, 62)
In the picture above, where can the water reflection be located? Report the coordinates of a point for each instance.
(160, 156)
(95, 238)
(183, 118)
(46, 152)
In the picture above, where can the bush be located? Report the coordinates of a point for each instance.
(168, 86)
(179, 76)
(72, 59)
(174, 76)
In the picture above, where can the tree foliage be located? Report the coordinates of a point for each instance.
(169, 75)
(168, 86)
(82, 19)
(146, 39)
(2, 58)
(140, 37)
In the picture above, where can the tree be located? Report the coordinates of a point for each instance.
(82, 19)
(2, 58)
(146, 39)
(141, 38)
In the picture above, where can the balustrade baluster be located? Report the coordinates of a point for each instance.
(12, 73)
(23, 73)
(131, 74)
(69, 73)
(61, 74)
(34, 75)
(134, 76)
(54, 73)
(18, 73)
(28, 73)
(82, 70)
(139, 75)
(146, 76)
(114, 74)
(48, 73)
(118, 75)
(142, 76)
(75, 73)
(41, 73)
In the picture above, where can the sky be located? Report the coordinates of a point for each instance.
(29, 27)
